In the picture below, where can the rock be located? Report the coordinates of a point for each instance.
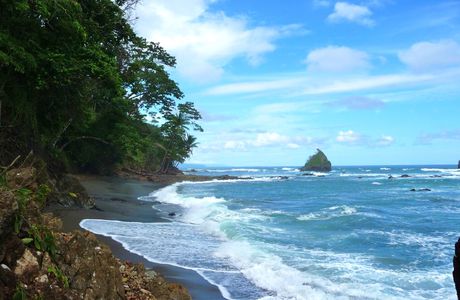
(51, 222)
(458, 166)
(317, 162)
(390, 177)
(26, 265)
(5, 267)
(8, 208)
(42, 279)
(70, 192)
(22, 178)
(90, 266)
(405, 176)
(151, 274)
(308, 174)
(421, 190)
(172, 214)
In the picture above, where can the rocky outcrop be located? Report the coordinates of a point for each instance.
(458, 166)
(65, 189)
(40, 262)
(142, 284)
(70, 192)
(318, 163)
(92, 270)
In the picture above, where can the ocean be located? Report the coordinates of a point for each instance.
(279, 233)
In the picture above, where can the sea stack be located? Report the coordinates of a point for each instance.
(317, 162)
(458, 167)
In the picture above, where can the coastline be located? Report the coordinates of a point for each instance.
(116, 199)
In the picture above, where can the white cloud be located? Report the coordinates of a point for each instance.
(371, 82)
(348, 137)
(270, 138)
(425, 56)
(204, 42)
(385, 140)
(311, 86)
(321, 3)
(252, 87)
(337, 59)
(293, 146)
(348, 12)
(352, 138)
(238, 145)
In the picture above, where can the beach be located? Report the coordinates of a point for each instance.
(117, 199)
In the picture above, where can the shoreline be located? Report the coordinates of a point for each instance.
(116, 199)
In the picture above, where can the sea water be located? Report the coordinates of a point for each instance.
(279, 233)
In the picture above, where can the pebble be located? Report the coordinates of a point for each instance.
(5, 267)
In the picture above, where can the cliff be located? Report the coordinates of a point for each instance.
(318, 163)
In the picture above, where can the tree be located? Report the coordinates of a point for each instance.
(76, 81)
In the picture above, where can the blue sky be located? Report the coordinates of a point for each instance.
(368, 82)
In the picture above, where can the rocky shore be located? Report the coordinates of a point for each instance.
(41, 260)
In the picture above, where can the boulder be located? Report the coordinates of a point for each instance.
(22, 178)
(27, 265)
(317, 162)
(70, 192)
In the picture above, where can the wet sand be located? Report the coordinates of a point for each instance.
(116, 199)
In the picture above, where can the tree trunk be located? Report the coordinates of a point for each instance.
(61, 132)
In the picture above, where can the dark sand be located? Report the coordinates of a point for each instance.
(116, 199)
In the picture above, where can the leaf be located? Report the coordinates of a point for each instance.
(37, 245)
(73, 195)
(27, 241)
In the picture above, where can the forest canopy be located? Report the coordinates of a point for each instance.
(77, 83)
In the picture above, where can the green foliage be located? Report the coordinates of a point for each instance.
(77, 82)
(20, 293)
(59, 275)
(42, 193)
(23, 197)
(42, 238)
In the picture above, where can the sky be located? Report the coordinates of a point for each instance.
(371, 82)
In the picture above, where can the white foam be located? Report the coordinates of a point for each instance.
(252, 170)
(363, 175)
(376, 183)
(328, 213)
(385, 169)
(446, 173)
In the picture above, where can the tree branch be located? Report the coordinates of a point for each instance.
(84, 138)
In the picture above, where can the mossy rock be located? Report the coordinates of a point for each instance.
(317, 162)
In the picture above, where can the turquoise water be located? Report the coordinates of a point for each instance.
(349, 234)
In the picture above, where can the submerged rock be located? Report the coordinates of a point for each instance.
(317, 162)
(421, 190)
(405, 176)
